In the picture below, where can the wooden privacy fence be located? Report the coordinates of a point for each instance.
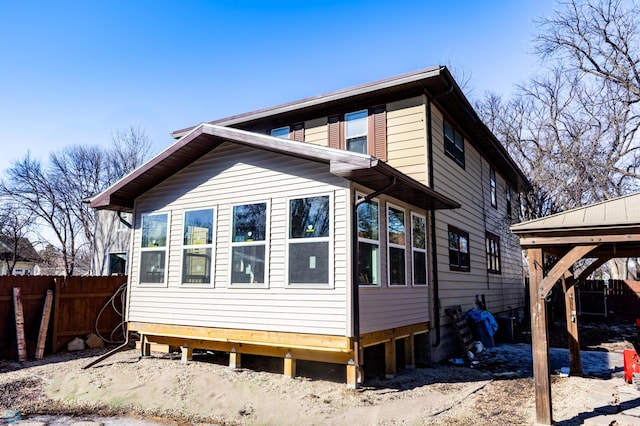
(77, 301)
(612, 297)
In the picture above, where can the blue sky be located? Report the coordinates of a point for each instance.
(75, 72)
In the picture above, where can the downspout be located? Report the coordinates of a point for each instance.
(355, 275)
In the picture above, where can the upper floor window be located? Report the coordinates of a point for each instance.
(507, 196)
(281, 132)
(248, 243)
(363, 131)
(355, 130)
(197, 246)
(309, 221)
(492, 187)
(124, 221)
(153, 249)
(396, 244)
(493, 253)
(458, 250)
(453, 143)
(369, 243)
(419, 248)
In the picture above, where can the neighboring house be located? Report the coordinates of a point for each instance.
(112, 241)
(20, 254)
(245, 237)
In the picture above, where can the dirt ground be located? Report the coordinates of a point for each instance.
(498, 390)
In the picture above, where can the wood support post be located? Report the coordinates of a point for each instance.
(145, 346)
(575, 365)
(352, 375)
(539, 339)
(187, 353)
(289, 366)
(44, 325)
(19, 315)
(409, 352)
(234, 359)
(390, 358)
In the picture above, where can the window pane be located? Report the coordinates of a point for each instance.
(454, 242)
(419, 268)
(356, 124)
(368, 220)
(309, 263)
(396, 226)
(152, 266)
(358, 145)
(396, 266)
(368, 264)
(453, 258)
(248, 264)
(464, 245)
(281, 132)
(117, 263)
(196, 265)
(309, 217)
(154, 230)
(249, 222)
(198, 227)
(448, 132)
(419, 232)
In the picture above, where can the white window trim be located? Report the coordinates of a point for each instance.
(329, 239)
(375, 242)
(165, 282)
(419, 250)
(190, 246)
(393, 245)
(267, 252)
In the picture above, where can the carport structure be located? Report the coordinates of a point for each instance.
(596, 233)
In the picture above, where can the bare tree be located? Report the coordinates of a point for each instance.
(574, 129)
(56, 195)
(15, 227)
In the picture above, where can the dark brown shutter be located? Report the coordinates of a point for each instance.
(334, 131)
(298, 132)
(379, 114)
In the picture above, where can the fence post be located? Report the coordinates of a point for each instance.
(56, 314)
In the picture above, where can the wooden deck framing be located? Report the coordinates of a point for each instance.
(288, 346)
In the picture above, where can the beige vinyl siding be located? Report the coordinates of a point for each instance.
(230, 175)
(383, 307)
(470, 187)
(315, 131)
(406, 137)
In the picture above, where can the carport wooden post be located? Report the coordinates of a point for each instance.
(539, 340)
(568, 285)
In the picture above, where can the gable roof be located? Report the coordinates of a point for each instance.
(360, 168)
(435, 82)
(26, 252)
(622, 213)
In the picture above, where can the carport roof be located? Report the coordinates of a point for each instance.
(616, 215)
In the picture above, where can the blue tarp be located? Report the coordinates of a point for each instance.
(485, 325)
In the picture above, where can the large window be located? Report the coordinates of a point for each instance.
(369, 243)
(309, 224)
(396, 246)
(197, 246)
(248, 244)
(458, 250)
(493, 253)
(492, 187)
(419, 249)
(453, 143)
(153, 251)
(355, 130)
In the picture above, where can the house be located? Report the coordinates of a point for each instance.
(316, 229)
(111, 243)
(17, 256)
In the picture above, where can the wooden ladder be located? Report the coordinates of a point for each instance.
(461, 325)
